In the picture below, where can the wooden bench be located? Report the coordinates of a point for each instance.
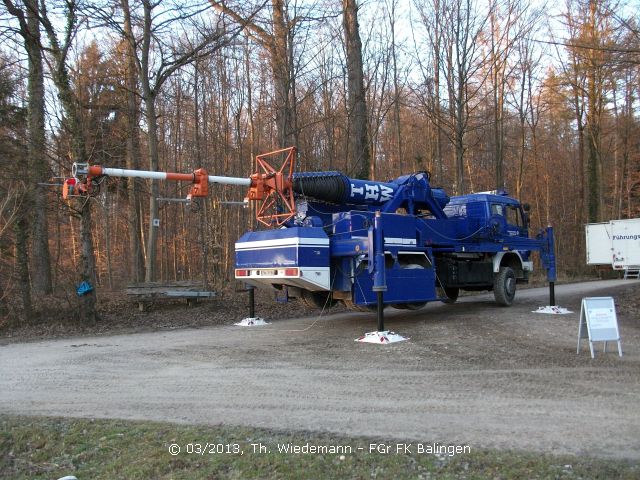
(148, 293)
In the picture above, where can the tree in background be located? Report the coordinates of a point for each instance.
(39, 171)
(278, 43)
(133, 150)
(72, 123)
(14, 195)
(357, 118)
(592, 40)
(155, 62)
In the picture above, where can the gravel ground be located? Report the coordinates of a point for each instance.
(473, 373)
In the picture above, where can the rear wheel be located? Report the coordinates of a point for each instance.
(317, 299)
(504, 286)
(409, 306)
(358, 308)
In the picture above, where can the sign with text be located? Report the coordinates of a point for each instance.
(598, 323)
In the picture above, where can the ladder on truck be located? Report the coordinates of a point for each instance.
(632, 271)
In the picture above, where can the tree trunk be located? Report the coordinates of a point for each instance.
(134, 185)
(87, 301)
(22, 258)
(152, 237)
(595, 101)
(396, 90)
(593, 174)
(436, 90)
(359, 139)
(282, 75)
(40, 257)
(149, 96)
(460, 129)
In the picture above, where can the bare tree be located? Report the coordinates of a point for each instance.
(461, 61)
(590, 48)
(136, 263)
(508, 24)
(431, 14)
(59, 67)
(524, 98)
(360, 151)
(155, 63)
(29, 30)
(14, 204)
(278, 43)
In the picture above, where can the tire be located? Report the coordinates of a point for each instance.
(449, 294)
(504, 286)
(359, 308)
(317, 299)
(409, 306)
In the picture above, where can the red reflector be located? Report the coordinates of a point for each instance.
(242, 273)
(290, 272)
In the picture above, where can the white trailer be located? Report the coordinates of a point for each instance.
(615, 243)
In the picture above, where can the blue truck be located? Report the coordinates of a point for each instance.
(429, 246)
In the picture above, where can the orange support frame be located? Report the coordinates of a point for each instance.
(274, 188)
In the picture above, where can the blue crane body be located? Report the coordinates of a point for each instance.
(365, 242)
(430, 246)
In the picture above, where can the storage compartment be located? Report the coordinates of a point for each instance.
(462, 273)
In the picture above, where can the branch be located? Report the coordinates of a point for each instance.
(260, 34)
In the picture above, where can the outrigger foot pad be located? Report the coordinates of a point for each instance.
(553, 310)
(252, 322)
(381, 338)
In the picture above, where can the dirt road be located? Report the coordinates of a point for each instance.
(472, 373)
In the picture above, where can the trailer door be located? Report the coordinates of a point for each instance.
(599, 244)
(626, 243)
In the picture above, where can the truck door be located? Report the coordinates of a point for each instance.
(515, 225)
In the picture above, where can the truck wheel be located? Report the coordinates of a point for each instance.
(317, 299)
(450, 294)
(359, 308)
(504, 286)
(409, 306)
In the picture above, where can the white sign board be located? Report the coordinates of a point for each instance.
(598, 322)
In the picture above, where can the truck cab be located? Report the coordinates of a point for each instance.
(494, 251)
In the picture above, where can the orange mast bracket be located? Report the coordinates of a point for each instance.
(200, 187)
(274, 188)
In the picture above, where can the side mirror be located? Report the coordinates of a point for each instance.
(525, 214)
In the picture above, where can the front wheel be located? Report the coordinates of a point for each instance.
(504, 286)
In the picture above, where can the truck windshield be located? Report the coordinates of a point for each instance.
(511, 213)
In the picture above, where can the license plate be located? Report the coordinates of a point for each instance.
(269, 272)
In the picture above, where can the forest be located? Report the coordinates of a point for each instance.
(539, 99)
